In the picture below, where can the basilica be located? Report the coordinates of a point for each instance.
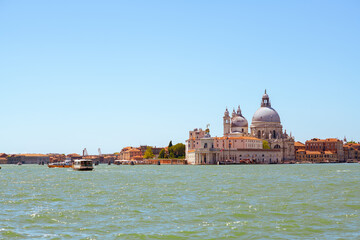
(265, 143)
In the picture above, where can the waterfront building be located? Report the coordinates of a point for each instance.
(137, 153)
(352, 152)
(3, 160)
(238, 145)
(320, 150)
(73, 156)
(316, 156)
(28, 159)
(56, 157)
(131, 153)
(155, 150)
(298, 146)
(332, 145)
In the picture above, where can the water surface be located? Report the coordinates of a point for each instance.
(181, 202)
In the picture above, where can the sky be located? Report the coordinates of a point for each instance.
(110, 74)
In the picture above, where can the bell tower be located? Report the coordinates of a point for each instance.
(226, 119)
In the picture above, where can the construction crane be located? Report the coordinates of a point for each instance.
(85, 153)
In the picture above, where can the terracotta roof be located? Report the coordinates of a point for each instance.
(301, 150)
(329, 152)
(73, 155)
(324, 140)
(332, 140)
(313, 152)
(352, 145)
(299, 144)
(32, 155)
(134, 150)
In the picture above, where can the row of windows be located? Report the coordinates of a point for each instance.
(257, 159)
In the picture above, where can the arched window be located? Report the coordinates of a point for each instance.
(274, 134)
(277, 146)
(259, 134)
(205, 145)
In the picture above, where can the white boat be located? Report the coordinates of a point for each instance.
(83, 165)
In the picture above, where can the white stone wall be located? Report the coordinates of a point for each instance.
(190, 157)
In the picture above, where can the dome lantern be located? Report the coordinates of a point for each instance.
(239, 111)
(265, 102)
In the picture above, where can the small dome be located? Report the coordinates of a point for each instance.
(266, 114)
(239, 121)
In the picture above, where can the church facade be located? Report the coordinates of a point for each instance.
(238, 145)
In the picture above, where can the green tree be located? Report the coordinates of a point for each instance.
(148, 153)
(179, 150)
(162, 153)
(266, 144)
(170, 144)
(171, 152)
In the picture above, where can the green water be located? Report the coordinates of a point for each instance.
(181, 202)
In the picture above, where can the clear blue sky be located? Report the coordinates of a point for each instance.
(111, 74)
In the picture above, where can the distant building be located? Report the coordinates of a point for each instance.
(316, 156)
(237, 145)
(73, 156)
(299, 146)
(3, 160)
(28, 159)
(320, 150)
(155, 150)
(352, 152)
(56, 157)
(330, 145)
(133, 153)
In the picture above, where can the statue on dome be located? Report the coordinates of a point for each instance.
(207, 130)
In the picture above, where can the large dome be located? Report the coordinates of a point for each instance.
(266, 114)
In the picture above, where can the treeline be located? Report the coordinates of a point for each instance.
(173, 151)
